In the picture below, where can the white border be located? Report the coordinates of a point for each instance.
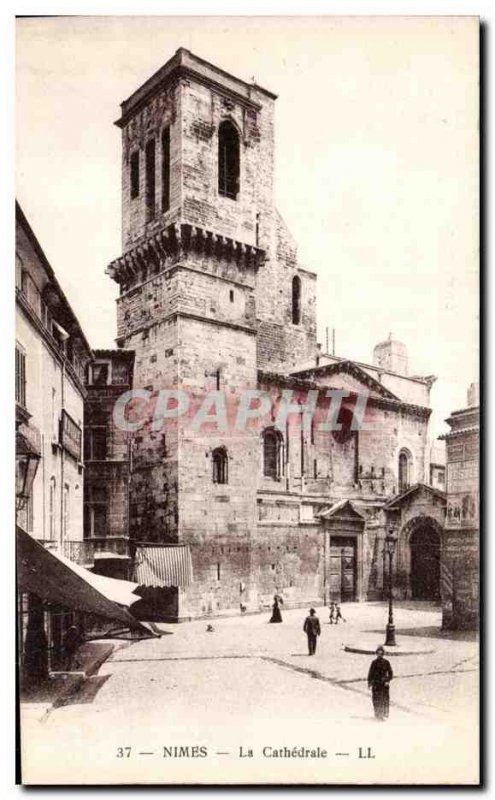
(8, 10)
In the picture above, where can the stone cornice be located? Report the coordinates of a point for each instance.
(50, 342)
(186, 66)
(473, 429)
(288, 381)
(175, 242)
(45, 264)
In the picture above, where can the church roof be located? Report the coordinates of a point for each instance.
(185, 64)
(351, 368)
(399, 499)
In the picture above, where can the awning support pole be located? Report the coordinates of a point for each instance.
(35, 662)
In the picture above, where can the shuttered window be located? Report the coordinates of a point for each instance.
(20, 376)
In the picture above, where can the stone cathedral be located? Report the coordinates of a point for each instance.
(212, 298)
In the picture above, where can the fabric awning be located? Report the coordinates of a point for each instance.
(55, 579)
(163, 565)
(116, 590)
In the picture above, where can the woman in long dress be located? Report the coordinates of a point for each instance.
(276, 615)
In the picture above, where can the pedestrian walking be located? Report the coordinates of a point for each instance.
(71, 644)
(276, 613)
(338, 614)
(332, 613)
(379, 676)
(312, 630)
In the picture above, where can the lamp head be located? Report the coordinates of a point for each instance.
(27, 460)
(391, 540)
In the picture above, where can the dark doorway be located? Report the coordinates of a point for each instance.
(342, 576)
(425, 564)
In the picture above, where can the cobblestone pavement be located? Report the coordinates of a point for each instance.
(249, 685)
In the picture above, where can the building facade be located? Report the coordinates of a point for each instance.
(51, 357)
(214, 303)
(107, 459)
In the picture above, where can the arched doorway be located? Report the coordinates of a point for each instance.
(424, 545)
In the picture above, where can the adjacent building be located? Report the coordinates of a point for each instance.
(51, 356)
(107, 460)
(460, 576)
(58, 558)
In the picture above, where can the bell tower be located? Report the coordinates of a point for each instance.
(197, 148)
(197, 215)
(206, 277)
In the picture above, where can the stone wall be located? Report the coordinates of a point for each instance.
(283, 345)
(112, 473)
(461, 600)
(216, 520)
(154, 480)
(147, 123)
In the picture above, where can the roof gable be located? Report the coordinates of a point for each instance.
(349, 368)
(408, 494)
(344, 508)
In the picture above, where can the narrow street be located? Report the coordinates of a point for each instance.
(250, 686)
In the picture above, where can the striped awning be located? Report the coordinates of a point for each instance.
(163, 565)
(446, 581)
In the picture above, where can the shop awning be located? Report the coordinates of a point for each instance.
(165, 565)
(57, 580)
(119, 591)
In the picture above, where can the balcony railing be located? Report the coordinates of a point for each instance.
(118, 545)
(80, 552)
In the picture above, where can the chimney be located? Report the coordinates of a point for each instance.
(391, 355)
(473, 395)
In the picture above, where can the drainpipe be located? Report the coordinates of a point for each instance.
(324, 564)
(64, 336)
(287, 457)
(62, 487)
(43, 494)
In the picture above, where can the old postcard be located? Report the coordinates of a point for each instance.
(247, 400)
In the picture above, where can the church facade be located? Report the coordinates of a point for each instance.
(213, 303)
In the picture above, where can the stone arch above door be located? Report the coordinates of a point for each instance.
(422, 538)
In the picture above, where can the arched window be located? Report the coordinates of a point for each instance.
(220, 462)
(296, 300)
(165, 169)
(228, 160)
(272, 454)
(404, 470)
(345, 419)
(150, 179)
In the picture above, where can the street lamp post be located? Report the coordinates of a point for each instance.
(390, 545)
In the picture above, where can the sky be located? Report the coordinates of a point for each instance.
(376, 165)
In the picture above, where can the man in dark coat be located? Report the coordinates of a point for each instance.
(379, 676)
(71, 644)
(312, 630)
